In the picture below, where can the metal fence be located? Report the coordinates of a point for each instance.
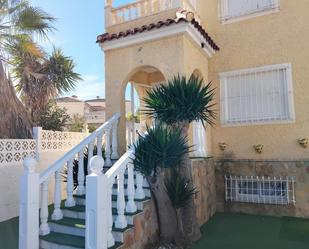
(264, 190)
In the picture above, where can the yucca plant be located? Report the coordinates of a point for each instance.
(177, 103)
(181, 100)
(179, 191)
(157, 153)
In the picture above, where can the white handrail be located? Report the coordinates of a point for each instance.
(75, 150)
(122, 162)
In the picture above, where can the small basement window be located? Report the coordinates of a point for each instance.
(265, 190)
(234, 10)
(257, 96)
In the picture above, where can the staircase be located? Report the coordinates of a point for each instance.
(69, 232)
(95, 216)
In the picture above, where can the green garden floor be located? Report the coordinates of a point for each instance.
(240, 231)
(223, 231)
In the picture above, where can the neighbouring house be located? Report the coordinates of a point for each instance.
(92, 110)
(254, 160)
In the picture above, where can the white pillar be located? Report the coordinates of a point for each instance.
(199, 139)
(121, 221)
(44, 228)
(131, 206)
(29, 206)
(114, 141)
(81, 174)
(57, 214)
(70, 202)
(108, 161)
(96, 206)
(139, 193)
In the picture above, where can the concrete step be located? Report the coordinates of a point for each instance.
(77, 227)
(81, 200)
(65, 241)
(78, 212)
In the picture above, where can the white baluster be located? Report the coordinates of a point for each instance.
(81, 174)
(108, 161)
(57, 214)
(90, 154)
(70, 202)
(99, 144)
(121, 221)
(29, 206)
(131, 206)
(115, 142)
(139, 194)
(111, 240)
(44, 228)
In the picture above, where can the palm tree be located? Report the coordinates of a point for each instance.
(39, 76)
(177, 104)
(17, 21)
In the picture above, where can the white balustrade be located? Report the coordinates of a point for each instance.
(99, 211)
(142, 8)
(81, 173)
(90, 154)
(131, 206)
(44, 228)
(108, 161)
(70, 202)
(110, 237)
(115, 155)
(57, 214)
(121, 221)
(139, 194)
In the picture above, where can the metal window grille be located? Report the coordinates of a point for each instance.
(230, 9)
(264, 190)
(257, 95)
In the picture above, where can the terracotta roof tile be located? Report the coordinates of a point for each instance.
(108, 37)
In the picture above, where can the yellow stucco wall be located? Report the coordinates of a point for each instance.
(171, 55)
(270, 39)
(276, 38)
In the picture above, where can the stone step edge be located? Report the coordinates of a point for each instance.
(47, 239)
(82, 223)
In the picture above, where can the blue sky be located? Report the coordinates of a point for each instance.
(78, 24)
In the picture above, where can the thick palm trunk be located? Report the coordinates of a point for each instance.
(190, 227)
(14, 119)
(167, 217)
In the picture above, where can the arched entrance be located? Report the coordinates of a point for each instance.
(137, 84)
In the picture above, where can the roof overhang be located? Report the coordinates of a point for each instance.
(185, 28)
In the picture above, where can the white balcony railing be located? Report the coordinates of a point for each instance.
(143, 8)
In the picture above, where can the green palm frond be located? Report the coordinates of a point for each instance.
(161, 147)
(181, 100)
(60, 70)
(32, 20)
(178, 190)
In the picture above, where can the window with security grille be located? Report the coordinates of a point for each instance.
(257, 95)
(233, 9)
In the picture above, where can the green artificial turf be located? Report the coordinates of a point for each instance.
(240, 231)
(9, 234)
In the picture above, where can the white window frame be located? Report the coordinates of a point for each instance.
(225, 18)
(290, 94)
